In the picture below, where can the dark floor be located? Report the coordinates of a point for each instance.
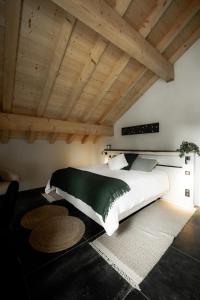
(80, 273)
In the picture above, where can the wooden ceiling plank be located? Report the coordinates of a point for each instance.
(90, 66)
(56, 62)
(145, 29)
(38, 124)
(180, 51)
(123, 94)
(176, 28)
(118, 68)
(185, 17)
(137, 95)
(107, 22)
(13, 21)
(159, 9)
(95, 55)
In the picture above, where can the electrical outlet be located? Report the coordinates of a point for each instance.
(187, 172)
(187, 193)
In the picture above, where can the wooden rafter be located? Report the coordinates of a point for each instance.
(37, 124)
(4, 136)
(145, 29)
(85, 139)
(107, 22)
(176, 28)
(53, 137)
(96, 139)
(174, 57)
(31, 137)
(95, 55)
(70, 138)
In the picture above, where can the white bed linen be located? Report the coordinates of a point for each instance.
(145, 187)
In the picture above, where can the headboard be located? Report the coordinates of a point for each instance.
(180, 172)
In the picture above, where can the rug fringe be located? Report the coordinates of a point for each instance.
(115, 267)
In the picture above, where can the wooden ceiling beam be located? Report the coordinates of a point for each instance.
(13, 21)
(56, 62)
(96, 139)
(31, 137)
(70, 138)
(95, 55)
(37, 124)
(107, 22)
(145, 29)
(176, 28)
(121, 6)
(86, 139)
(53, 137)
(5, 136)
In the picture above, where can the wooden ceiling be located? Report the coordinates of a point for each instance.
(69, 69)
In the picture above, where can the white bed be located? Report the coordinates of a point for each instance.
(145, 188)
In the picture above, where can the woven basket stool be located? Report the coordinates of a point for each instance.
(36, 215)
(56, 234)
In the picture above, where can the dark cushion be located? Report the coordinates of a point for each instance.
(130, 157)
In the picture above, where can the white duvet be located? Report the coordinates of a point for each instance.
(143, 185)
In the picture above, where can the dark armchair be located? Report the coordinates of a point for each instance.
(9, 187)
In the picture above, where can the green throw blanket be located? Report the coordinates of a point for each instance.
(95, 190)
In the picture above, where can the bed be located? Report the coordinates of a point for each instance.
(145, 187)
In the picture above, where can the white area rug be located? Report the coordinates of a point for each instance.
(142, 239)
(52, 196)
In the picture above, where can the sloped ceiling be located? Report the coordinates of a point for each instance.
(69, 69)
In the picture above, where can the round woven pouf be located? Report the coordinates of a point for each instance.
(56, 234)
(36, 215)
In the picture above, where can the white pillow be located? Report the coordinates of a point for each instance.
(118, 162)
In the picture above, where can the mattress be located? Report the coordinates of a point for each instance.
(145, 187)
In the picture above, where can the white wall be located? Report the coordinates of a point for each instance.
(175, 105)
(35, 162)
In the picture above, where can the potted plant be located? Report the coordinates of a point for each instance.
(187, 147)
